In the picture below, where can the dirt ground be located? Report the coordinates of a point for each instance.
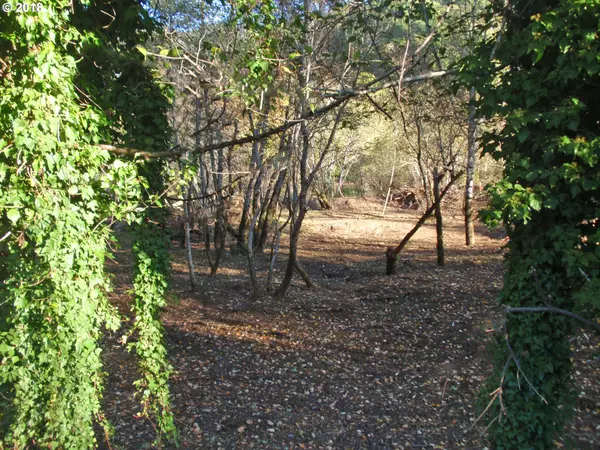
(363, 361)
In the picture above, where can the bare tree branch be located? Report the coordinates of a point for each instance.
(517, 362)
(553, 309)
(379, 107)
(177, 152)
(210, 195)
(370, 90)
(339, 98)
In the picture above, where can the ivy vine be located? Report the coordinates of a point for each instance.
(541, 85)
(59, 192)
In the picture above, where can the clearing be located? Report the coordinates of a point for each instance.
(364, 361)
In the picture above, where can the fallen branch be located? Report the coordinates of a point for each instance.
(494, 395)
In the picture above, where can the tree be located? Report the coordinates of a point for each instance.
(542, 84)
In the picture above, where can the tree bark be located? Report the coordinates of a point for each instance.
(471, 158)
(389, 191)
(392, 253)
(188, 244)
(256, 292)
(439, 229)
(188, 222)
(293, 251)
(220, 220)
(296, 223)
(241, 233)
(420, 162)
(270, 211)
(274, 251)
(305, 276)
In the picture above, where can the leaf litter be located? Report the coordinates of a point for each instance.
(363, 361)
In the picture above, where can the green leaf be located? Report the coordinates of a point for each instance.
(13, 215)
(523, 134)
(535, 203)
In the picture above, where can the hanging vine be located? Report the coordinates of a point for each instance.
(58, 193)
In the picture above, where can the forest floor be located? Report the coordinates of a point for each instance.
(363, 361)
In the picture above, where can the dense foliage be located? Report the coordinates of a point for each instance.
(67, 87)
(542, 82)
(151, 281)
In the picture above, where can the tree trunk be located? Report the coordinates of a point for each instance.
(250, 255)
(420, 162)
(219, 239)
(275, 250)
(207, 244)
(306, 175)
(270, 211)
(202, 172)
(188, 243)
(305, 276)
(241, 233)
(231, 189)
(471, 158)
(220, 225)
(306, 180)
(439, 229)
(291, 264)
(188, 223)
(257, 196)
(253, 188)
(392, 253)
(389, 191)
(296, 223)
